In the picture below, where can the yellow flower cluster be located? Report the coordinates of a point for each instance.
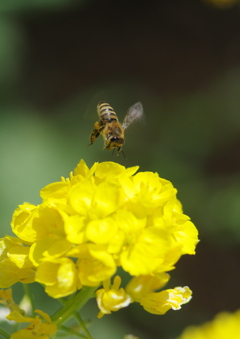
(225, 325)
(98, 220)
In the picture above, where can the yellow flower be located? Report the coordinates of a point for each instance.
(142, 285)
(44, 228)
(111, 298)
(161, 302)
(15, 264)
(142, 289)
(225, 325)
(6, 297)
(97, 220)
(7, 300)
(59, 276)
(22, 222)
(92, 272)
(38, 328)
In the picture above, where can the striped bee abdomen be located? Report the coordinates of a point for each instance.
(106, 112)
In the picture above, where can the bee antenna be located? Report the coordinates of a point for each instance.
(124, 155)
(113, 151)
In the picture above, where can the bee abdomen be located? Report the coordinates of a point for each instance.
(106, 112)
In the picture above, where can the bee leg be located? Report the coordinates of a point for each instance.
(94, 135)
(118, 150)
(106, 142)
(104, 145)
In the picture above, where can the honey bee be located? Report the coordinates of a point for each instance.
(109, 126)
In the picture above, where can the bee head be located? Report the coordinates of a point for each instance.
(114, 142)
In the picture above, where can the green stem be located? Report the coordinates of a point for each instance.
(4, 334)
(72, 332)
(82, 323)
(73, 304)
(29, 296)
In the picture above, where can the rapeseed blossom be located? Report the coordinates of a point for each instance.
(90, 224)
(112, 298)
(39, 327)
(143, 290)
(224, 325)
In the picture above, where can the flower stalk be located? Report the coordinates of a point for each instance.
(73, 304)
(4, 334)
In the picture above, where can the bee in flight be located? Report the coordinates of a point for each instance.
(109, 126)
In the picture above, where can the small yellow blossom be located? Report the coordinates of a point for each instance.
(38, 328)
(142, 285)
(6, 296)
(142, 289)
(59, 276)
(224, 325)
(92, 272)
(47, 225)
(7, 300)
(161, 302)
(111, 298)
(15, 264)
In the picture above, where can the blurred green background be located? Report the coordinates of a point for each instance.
(181, 59)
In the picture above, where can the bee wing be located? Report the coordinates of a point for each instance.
(135, 112)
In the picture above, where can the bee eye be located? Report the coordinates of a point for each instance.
(113, 138)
